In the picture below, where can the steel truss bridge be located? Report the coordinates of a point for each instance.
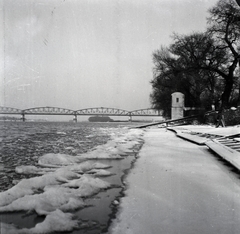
(98, 111)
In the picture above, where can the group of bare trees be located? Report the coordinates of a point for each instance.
(204, 66)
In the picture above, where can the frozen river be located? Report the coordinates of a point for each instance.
(63, 177)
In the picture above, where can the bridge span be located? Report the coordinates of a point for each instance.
(97, 111)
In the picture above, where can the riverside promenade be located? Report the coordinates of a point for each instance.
(180, 187)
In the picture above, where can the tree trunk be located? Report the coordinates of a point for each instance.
(227, 92)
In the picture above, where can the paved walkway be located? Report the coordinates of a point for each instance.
(177, 187)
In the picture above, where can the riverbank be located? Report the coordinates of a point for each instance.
(178, 187)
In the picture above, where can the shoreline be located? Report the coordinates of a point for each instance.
(129, 145)
(125, 186)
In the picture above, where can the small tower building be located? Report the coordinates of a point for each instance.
(177, 105)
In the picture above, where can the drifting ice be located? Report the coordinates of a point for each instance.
(61, 183)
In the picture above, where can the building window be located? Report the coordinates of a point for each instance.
(177, 99)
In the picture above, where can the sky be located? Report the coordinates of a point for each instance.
(90, 53)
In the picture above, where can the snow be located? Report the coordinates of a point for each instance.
(52, 198)
(178, 187)
(58, 160)
(100, 172)
(32, 170)
(32, 185)
(231, 130)
(87, 186)
(61, 183)
(116, 148)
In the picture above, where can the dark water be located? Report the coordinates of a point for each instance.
(23, 143)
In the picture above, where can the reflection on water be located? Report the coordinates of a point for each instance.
(21, 219)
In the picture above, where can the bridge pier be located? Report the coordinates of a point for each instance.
(75, 118)
(130, 118)
(23, 117)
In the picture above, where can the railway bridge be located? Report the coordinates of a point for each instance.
(97, 111)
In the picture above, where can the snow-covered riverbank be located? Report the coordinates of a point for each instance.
(178, 187)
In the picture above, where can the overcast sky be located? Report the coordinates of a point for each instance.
(87, 53)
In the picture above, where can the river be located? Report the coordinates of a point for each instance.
(24, 146)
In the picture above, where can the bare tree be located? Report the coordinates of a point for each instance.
(224, 28)
(204, 66)
(177, 69)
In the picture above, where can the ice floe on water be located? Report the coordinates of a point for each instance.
(56, 160)
(61, 182)
(115, 149)
(32, 170)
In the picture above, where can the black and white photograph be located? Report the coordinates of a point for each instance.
(119, 116)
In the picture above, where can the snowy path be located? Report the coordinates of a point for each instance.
(177, 187)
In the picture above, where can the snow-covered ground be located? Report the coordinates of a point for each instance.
(177, 187)
(62, 183)
(230, 130)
